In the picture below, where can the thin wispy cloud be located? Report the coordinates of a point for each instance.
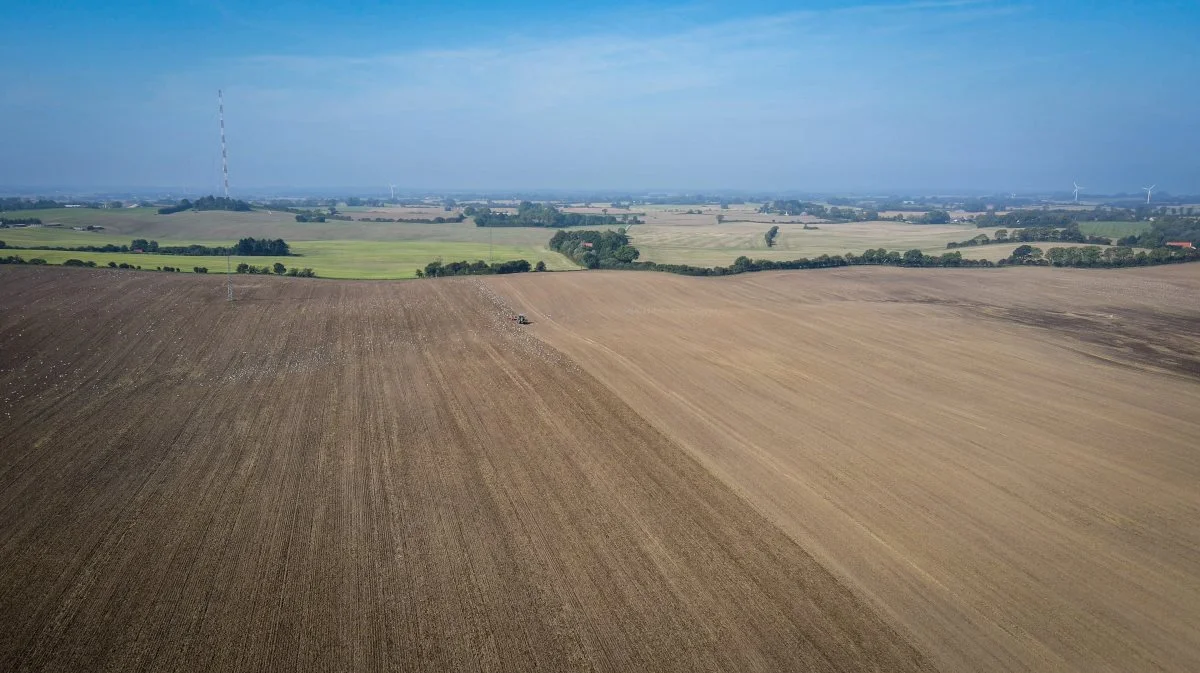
(686, 95)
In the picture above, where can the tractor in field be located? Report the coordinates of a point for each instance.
(521, 319)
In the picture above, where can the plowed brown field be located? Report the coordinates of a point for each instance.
(355, 476)
(870, 469)
(1006, 465)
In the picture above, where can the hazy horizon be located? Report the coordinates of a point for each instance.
(962, 96)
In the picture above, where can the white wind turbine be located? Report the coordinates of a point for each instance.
(1077, 188)
(1148, 190)
(393, 188)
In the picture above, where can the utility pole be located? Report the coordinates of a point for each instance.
(228, 279)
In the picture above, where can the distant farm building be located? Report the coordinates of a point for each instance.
(1181, 244)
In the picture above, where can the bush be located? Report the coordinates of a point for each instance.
(199, 269)
(74, 262)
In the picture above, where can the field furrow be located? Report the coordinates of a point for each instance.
(358, 476)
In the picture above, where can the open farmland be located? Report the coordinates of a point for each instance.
(1004, 464)
(855, 469)
(372, 476)
(335, 249)
(706, 243)
(330, 259)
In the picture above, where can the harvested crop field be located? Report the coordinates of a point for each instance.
(860, 469)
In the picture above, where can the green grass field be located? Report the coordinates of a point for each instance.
(1114, 230)
(330, 259)
(372, 250)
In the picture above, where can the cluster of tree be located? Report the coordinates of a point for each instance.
(261, 247)
(975, 206)
(595, 249)
(543, 215)
(17, 259)
(220, 203)
(836, 214)
(770, 236)
(206, 203)
(1094, 256)
(609, 249)
(416, 220)
(309, 216)
(981, 239)
(793, 207)
(183, 205)
(9, 221)
(354, 201)
(934, 217)
(18, 203)
(1068, 234)
(1165, 230)
(277, 269)
(880, 257)
(107, 247)
(476, 268)
(687, 200)
(247, 247)
(1028, 218)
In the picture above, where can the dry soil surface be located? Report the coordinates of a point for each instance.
(393, 476)
(1003, 463)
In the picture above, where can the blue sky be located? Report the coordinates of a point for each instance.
(863, 96)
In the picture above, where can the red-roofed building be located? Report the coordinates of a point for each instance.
(1181, 244)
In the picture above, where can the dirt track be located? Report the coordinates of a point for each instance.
(1004, 464)
(358, 476)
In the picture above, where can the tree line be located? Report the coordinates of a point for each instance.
(1067, 234)
(206, 203)
(1092, 256)
(542, 215)
(278, 269)
(794, 207)
(611, 250)
(417, 220)
(246, 247)
(477, 268)
(9, 221)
